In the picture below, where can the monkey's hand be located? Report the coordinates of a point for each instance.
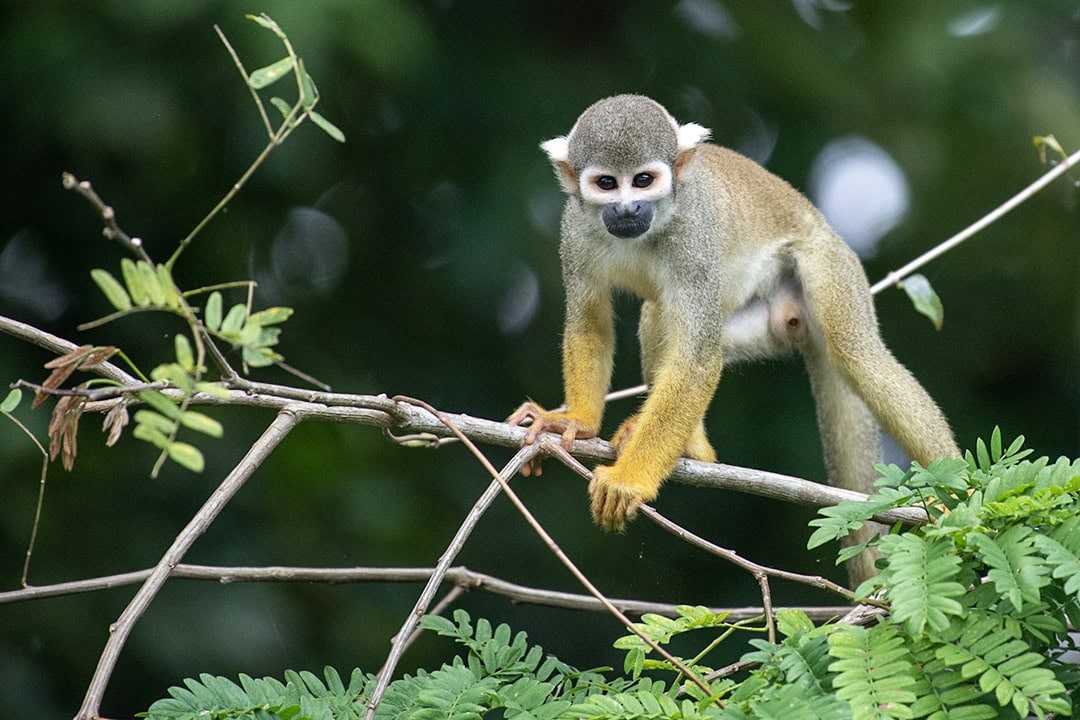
(615, 500)
(539, 420)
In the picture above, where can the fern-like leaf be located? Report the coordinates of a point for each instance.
(304, 695)
(920, 578)
(872, 671)
(1016, 570)
(630, 706)
(985, 648)
(837, 521)
(1062, 552)
(942, 692)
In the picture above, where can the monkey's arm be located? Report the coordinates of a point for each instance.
(588, 349)
(682, 384)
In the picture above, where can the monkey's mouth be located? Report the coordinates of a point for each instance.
(627, 220)
(627, 230)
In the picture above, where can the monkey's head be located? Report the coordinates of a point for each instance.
(622, 158)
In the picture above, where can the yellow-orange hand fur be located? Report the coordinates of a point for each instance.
(616, 494)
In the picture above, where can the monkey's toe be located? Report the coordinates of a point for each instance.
(622, 435)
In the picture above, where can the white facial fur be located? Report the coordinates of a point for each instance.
(625, 191)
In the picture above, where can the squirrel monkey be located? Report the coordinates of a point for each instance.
(732, 264)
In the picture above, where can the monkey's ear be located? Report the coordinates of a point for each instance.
(558, 152)
(691, 134)
(689, 137)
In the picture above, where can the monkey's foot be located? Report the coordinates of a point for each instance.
(697, 447)
(539, 420)
(615, 502)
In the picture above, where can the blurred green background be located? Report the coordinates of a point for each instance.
(421, 258)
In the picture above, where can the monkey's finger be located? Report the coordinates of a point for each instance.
(570, 434)
(533, 468)
(534, 432)
(529, 411)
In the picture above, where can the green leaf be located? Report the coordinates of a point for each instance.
(234, 320)
(113, 290)
(150, 279)
(283, 107)
(920, 581)
(1016, 570)
(11, 401)
(214, 389)
(185, 455)
(925, 300)
(264, 20)
(327, 127)
(201, 423)
(260, 357)
(168, 287)
(793, 622)
(149, 433)
(440, 625)
(154, 420)
(270, 316)
(1048, 142)
(212, 316)
(184, 355)
(308, 93)
(134, 282)
(271, 73)
(173, 373)
(873, 673)
(159, 402)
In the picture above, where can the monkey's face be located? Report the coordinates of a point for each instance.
(629, 204)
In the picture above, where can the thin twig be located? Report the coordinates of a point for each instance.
(99, 394)
(112, 230)
(121, 629)
(244, 74)
(40, 498)
(986, 220)
(760, 573)
(554, 547)
(461, 576)
(60, 346)
(402, 639)
(440, 607)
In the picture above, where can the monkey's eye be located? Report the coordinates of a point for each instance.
(643, 180)
(606, 182)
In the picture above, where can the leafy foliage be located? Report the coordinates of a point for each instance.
(144, 285)
(302, 696)
(980, 601)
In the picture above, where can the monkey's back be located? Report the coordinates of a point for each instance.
(736, 179)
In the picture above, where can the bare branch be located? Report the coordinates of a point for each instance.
(381, 411)
(985, 221)
(60, 346)
(377, 410)
(112, 230)
(121, 629)
(404, 635)
(553, 547)
(460, 576)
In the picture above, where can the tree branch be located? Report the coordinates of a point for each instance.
(381, 411)
(985, 221)
(460, 576)
(404, 635)
(121, 629)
